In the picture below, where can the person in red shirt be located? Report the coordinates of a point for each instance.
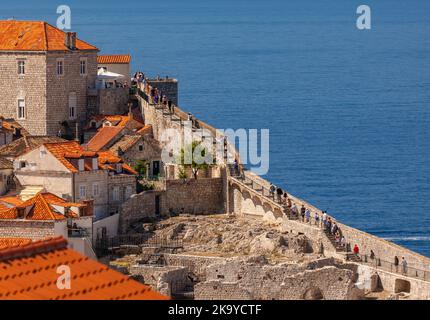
(356, 250)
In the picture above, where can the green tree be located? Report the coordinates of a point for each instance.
(141, 167)
(195, 156)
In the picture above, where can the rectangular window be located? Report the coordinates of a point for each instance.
(60, 67)
(72, 105)
(115, 194)
(96, 191)
(82, 191)
(21, 67)
(95, 164)
(21, 109)
(128, 191)
(83, 65)
(81, 164)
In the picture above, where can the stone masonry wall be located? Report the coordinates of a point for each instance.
(60, 87)
(168, 87)
(197, 265)
(165, 279)
(383, 249)
(31, 87)
(34, 230)
(330, 282)
(195, 196)
(113, 101)
(138, 207)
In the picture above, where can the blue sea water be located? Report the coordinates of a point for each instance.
(348, 110)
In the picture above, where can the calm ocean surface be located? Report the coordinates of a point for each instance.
(348, 110)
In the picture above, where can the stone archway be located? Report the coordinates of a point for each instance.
(313, 293)
(401, 285)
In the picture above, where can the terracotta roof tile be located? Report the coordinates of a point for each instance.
(133, 122)
(114, 59)
(30, 272)
(103, 137)
(11, 124)
(125, 143)
(13, 242)
(107, 158)
(5, 164)
(25, 144)
(12, 200)
(68, 150)
(40, 207)
(34, 36)
(146, 130)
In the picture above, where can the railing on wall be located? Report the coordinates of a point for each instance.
(378, 263)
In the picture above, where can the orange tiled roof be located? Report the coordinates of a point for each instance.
(103, 137)
(64, 151)
(145, 130)
(26, 144)
(5, 164)
(34, 36)
(29, 272)
(132, 122)
(13, 242)
(15, 201)
(114, 59)
(39, 208)
(125, 143)
(106, 158)
(68, 150)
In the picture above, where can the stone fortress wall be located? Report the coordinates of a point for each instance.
(246, 201)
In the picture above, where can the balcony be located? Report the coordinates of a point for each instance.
(77, 232)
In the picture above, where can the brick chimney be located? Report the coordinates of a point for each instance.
(70, 40)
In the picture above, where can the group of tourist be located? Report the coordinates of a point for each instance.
(139, 77)
(403, 263)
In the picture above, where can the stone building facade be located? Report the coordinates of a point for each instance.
(45, 76)
(70, 172)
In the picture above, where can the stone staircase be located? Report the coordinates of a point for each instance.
(181, 234)
(30, 191)
(332, 239)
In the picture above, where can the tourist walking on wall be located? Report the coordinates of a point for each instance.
(285, 200)
(294, 210)
(272, 189)
(170, 106)
(343, 242)
(302, 212)
(279, 193)
(289, 203)
(334, 228)
(308, 215)
(356, 250)
(404, 265)
(328, 225)
(317, 219)
(396, 263)
(324, 218)
(337, 239)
